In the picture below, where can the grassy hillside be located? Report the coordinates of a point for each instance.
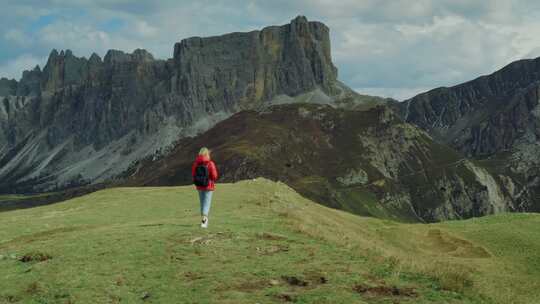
(265, 244)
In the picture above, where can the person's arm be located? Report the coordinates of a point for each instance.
(213, 171)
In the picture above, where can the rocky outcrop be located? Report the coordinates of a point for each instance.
(85, 120)
(355, 176)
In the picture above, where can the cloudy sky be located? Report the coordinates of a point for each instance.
(393, 48)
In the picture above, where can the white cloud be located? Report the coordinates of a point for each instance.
(68, 35)
(18, 37)
(442, 51)
(144, 29)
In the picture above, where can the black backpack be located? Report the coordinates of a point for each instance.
(202, 177)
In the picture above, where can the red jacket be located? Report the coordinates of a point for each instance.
(212, 171)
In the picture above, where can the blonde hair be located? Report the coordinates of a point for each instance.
(204, 151)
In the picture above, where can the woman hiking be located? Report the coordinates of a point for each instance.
(204, 174)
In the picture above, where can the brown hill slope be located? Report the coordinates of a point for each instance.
(367, 162)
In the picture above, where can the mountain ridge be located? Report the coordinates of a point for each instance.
(495, 119)
(78, 116)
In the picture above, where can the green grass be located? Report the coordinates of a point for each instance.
(514, 241)
(265, 244)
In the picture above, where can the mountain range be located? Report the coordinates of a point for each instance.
(268, 103)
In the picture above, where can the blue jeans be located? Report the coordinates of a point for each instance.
(205, 197)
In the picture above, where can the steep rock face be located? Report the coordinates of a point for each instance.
(367, 162)
(290, 60)
(450, 112)
(493, 118)
(85, 120)
(8, 87)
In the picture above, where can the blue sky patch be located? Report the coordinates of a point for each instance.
(112, 25)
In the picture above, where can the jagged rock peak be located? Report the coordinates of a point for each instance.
(30, 82)
(35, 71)
(63, 69)
(114, 56)
(299, 19)
(68, 53)
(55, 57)
(94, 58)
(300, 24)
(142, 55)
(8, 86)
(117, 56)
(63, 53)
(53, 54)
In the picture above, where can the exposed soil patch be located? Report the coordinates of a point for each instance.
(150, 225)
(210, 238)
(317, 278)
(272, 249)
(192, 276)
(33, 288)
(35, 257)
(310, 279)
(271, 236)
(201, 240)
(295, 281)
(119, 281)
(63, 296)
(287, 297)
(247, 286)
(385, 291)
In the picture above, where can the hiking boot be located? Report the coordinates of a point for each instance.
(204, 222)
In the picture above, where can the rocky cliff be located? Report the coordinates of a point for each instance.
(494, 119)
(485, 115)
(81, 120)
